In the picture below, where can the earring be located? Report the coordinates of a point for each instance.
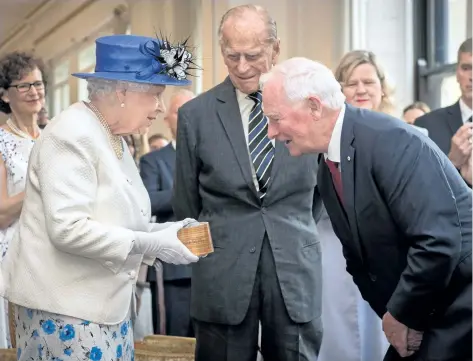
(122, 105)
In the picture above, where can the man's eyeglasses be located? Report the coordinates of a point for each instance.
(25, 87)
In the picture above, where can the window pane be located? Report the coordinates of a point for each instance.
(82, 90)
(87, 57)
(65, 96)
(61, 72)
(450, 91)
(457, 27)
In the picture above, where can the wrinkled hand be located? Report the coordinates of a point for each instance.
(466, 171)
(461, 145)
(404, 340)
(414, 339)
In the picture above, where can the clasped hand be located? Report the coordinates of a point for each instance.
(162, 242)
(405, 340)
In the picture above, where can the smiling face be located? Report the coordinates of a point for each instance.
(26, 99)
(297, 124)
(246, 50)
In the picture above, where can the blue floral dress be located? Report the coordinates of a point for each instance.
(47, 336)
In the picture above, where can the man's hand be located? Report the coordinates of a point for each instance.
(461, 145)
(406, 341)
(466, 171)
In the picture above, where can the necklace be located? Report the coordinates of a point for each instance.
(14, 128)
(115, 140)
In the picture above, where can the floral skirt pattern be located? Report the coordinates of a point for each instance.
(47, 336)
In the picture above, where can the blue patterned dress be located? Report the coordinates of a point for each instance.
(47, 336)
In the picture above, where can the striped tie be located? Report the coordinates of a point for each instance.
(261, 148)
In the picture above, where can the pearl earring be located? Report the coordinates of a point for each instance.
(122, 105)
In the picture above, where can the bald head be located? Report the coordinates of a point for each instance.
(178, 99)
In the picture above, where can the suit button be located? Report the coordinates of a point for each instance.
(132, 274)
(252, 249)
(263, 210)
(373, 277)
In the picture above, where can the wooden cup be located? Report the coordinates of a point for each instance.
(197, 238)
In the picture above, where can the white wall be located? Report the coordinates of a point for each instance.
(385, 28)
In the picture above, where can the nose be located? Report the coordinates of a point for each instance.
(360, 88)
(160, 107)
(33, 91)
(242, 65)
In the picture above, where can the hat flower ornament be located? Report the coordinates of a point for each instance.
(142, 60)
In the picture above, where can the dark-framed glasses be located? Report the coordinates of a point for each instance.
(25, 87)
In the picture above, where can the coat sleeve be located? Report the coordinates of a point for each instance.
(413, 180)
(186, 197)
(66, 174)
(151, 176)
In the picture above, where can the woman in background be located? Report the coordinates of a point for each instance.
(22, 91)
(414, 111)
(352, 330)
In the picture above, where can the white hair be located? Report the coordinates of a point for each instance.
(97, 87)
(302, 77)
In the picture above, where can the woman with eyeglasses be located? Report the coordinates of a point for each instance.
(22, 90)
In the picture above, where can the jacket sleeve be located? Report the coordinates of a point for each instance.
(66, 174)
(412, 179)
(150, 174)
(186, 197)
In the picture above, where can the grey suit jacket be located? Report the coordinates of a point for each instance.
(213, 183)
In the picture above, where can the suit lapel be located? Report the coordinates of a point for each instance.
(454, 119)
(229, 114)
(347, 163)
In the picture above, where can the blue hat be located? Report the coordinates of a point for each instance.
(141, 59)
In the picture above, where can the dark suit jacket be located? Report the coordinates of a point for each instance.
(442, 125)
(157, 172)
(213, 183)
(405, 229)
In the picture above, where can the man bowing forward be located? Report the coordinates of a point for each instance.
(398, 205)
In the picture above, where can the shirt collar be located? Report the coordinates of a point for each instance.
(333, 152)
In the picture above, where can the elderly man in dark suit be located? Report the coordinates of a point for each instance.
(451, 127)
(397, 204)
(157, 173)
(260, 204)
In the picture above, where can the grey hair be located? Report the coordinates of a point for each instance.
(302, 77)
(97, 87)
(239, 11)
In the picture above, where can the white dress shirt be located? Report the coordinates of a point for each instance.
(246, 104)
(465, 110)
(70, 254)
(333, 152)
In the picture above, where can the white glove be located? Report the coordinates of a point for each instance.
(164, 245)
(154, 227)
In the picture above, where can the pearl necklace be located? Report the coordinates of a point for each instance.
(13, 127)
(115, 140)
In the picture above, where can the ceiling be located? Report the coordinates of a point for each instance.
(13, 13)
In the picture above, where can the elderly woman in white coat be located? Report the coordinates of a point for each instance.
(84, 230)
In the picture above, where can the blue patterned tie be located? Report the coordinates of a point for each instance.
(261, 148)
